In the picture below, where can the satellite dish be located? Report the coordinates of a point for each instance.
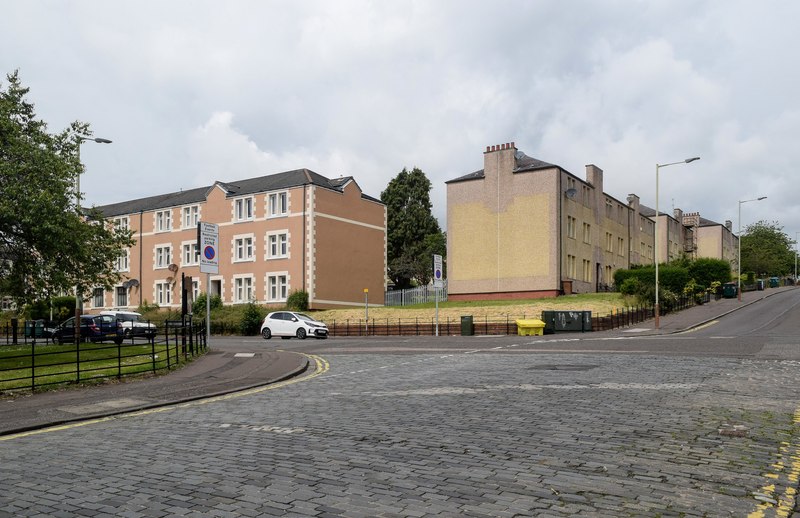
(168, 279)
(133, 283)
(126, 284)
(173, 267)
(571, 193)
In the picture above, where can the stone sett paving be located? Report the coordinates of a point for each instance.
(482, 435)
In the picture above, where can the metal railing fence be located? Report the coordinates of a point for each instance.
(618, 318)
(36, 363)
(418, 295)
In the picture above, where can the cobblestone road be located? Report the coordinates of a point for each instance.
(490, 434)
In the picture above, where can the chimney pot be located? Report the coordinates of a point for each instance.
(487, 148)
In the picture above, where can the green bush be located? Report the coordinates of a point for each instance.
(251, 319)
(199, 305)
(672, 278)
(630, 286)
(297, 301)
(705, 271)
(146, 307)
(641, 283)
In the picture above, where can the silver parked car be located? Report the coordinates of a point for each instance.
(287, 324)
(132, 323)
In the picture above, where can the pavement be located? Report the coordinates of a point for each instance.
(214, 374)
(222, 372)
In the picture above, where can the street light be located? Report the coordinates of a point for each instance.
(78, 295)
(739, 259)
(81, 140)
(795, 257)
(655, 241)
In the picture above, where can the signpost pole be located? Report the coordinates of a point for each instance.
(208, 307)
(207, 246)
(436, 289)
(366, 310)
(437, 284)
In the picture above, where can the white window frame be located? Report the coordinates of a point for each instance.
(244, 209)
(162, 293)
(190, 215)
(278, 204)
(121, 223)
(243, 288)
(163, 221)
(244, 246)
(123, 263)
(160, 259)
(187, 258)
(278, 248)
(277, 286)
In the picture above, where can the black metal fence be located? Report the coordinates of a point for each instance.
(622, 317)
(35, 362)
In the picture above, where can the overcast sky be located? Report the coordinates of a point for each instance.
(197, 91)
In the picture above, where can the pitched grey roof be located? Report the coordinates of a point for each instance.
(527, 163)
(646, 211)
(523, 163)
(708, 223)
(273, 182)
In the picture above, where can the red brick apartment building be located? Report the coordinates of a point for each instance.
(295, 230)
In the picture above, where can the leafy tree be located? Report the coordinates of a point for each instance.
(414, 234)
(48, 243)
(766, 249)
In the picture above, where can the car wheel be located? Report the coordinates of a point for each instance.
(118, 340)
(127, 334)
(59, 340)
(301, 334)
(266, 333)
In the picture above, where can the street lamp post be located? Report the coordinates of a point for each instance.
(795, 257)
(739, 259)
(655, 241)
(78, 295)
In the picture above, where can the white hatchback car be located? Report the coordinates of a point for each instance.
(287, 324)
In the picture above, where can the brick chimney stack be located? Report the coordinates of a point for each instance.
(499, 160)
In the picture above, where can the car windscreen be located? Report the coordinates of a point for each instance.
(305, 317)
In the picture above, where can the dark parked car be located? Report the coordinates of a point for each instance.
(94, 328)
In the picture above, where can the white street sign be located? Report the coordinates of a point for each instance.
(438, 280)
(208, 246)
